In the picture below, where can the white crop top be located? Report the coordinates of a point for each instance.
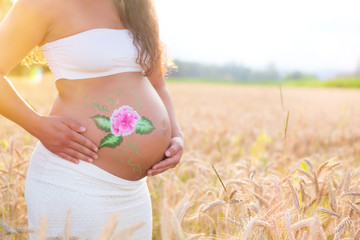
(92, 53)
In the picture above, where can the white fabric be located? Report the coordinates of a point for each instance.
(92, 53)
(55, 185)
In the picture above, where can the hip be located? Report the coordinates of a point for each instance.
(54, 186)
(85, 178)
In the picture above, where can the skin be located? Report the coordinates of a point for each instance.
(103, 123)
(152, 145)
(136, 167)
(43, 21)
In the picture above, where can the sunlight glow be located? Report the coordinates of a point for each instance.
(36, 75)
(309, 35)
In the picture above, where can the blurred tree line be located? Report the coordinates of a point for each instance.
(233, 72)
(355, 74)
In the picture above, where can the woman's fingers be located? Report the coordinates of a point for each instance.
(74, 125)
(69, 158)
(63, 136)
(172, 150)
(86, 143)
(87, 153)
(78, 155)
(165, 164)
(82, 147)
(171, 161)
(159, 170)
(176, 145)
(70, 145)
(173, 154)
(81, 139)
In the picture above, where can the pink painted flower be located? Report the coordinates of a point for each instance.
(123, 121)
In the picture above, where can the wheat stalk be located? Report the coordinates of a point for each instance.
(213, 204)
(351, 193)
(263, 201)
(301, 224)
(305, 173)
(345, 222)
(347, 182)
(248, 228)
(354, 207)
(332, 197)
(328, 211)
(294, 195)
(318, 172)
(288, 224)
(232, 194)
(109, 227)
(127, 234)
(305, 235)
(309, 164)
(316, 183)
(316, 229)
(302, 190)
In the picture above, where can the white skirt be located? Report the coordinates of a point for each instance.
(55, 185)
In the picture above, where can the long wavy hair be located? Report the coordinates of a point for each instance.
(139, 16)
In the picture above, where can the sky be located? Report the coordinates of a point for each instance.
(315, 36)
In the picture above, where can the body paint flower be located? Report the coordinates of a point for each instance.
(123, 121)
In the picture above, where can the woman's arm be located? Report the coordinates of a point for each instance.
(174, 152)
(23, 28)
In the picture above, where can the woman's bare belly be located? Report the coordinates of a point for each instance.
(123, 115)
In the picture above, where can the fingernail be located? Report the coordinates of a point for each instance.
(82, 128)
(90, 159)
(167, 153)
(95, 157)
(95, 149)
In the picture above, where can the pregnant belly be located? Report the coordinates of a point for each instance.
(123, 115)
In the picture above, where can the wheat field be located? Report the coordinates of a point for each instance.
(259, 163)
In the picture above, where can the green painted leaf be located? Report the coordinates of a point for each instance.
(110, 141)
(102, 122)
(144, 126)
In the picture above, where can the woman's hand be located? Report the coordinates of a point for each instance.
(173, 155)
(61, 135)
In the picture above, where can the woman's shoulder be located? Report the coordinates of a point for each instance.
(42, 13)
(41, 8)
(32, 4)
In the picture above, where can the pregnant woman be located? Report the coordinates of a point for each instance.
(112, 123)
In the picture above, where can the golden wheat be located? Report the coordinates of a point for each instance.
(304, 186)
